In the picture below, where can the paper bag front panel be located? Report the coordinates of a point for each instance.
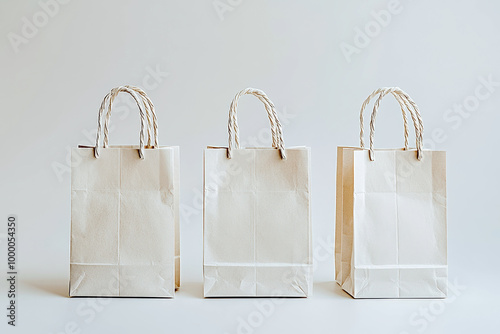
(257, 231)
(123, 216)
(398, 242)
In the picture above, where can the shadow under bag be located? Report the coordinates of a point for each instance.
(125, 212)
(257, 226)
(391, 215)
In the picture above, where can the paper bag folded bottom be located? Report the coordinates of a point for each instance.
(261, 280)
(89, 280)
(397, 282)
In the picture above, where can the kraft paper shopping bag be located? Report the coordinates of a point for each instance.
(257, 225)
(125, 212)
(391, 237)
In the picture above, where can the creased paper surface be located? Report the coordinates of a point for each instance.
(257, 228)
(391, 239)
(124, 222)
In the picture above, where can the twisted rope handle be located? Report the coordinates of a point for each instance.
(276, 129)
(414, 112)
(148, 107)
(267, 104)
(105, 102)
(361, 116)
(416, 117)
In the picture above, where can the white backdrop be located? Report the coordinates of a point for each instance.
(317, 61)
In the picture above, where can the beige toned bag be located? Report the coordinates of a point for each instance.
(125, 212)
(391, 215)
(257, 226)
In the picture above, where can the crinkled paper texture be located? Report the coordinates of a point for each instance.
(257, 227)
(391, 239)
(124, 222)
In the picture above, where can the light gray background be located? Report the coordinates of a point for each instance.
(51, 88)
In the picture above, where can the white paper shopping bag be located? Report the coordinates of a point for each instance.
(125, 212)
(391, 237)
(257, 227)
